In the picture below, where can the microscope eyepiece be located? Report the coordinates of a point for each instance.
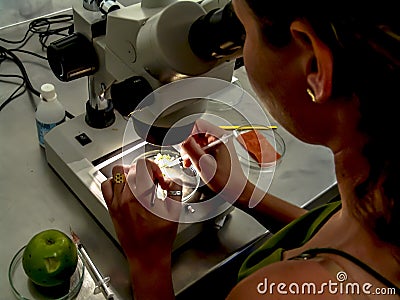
(104, 6)
(218, 34)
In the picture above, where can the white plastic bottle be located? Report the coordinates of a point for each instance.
(49, 113)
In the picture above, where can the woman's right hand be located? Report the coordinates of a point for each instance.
(218, 166)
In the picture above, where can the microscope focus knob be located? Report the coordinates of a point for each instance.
(72, 57)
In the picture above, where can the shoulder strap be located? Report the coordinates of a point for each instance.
(314, 251)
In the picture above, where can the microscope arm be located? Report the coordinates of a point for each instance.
(157, 41)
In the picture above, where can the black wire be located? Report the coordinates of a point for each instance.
(15, 42)
(25, 42)
(15, 94)
(22, 69)
(26, 84)
(42, 27)
(6, 54)
(10, 76)
(28, 52)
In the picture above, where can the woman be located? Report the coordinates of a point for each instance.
(330, 81)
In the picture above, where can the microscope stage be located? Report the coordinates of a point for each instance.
(83, 157)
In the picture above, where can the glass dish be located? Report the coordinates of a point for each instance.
(272, 137)
(188, 176)
(25, 289)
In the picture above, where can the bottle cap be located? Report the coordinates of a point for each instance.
(48, 92)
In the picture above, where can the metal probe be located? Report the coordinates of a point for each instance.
(102, 283)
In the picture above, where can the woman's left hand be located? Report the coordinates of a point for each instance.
(141, 220)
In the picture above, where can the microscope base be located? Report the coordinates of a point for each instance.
(73, 150)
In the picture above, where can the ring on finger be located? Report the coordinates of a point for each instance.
(174, 193)
(119, 178)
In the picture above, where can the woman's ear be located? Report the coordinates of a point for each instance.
(319, 67)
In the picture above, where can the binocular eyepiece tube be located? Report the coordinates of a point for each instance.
(218, 34)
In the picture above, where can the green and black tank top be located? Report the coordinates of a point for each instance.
(296, 234)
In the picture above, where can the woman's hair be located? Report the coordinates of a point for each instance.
(366, 51)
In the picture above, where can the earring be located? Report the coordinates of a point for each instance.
(311, 94)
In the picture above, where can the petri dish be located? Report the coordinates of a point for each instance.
(24, 289)
(189, 178)
(268, 143)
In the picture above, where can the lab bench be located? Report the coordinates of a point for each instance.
(34, 198)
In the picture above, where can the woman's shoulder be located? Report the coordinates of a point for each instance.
(288, 279)
(291, 236)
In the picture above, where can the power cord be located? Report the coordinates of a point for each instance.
(6, 54)
(43, 28)
(17, 92)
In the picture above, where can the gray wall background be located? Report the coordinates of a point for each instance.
(15, 11)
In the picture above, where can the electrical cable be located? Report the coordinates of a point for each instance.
(28, 52)
(15, 93)
(8, 54)
(11, 56)
(42, 27)
(15, 42)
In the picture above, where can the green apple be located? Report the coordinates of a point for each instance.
(50, 258)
